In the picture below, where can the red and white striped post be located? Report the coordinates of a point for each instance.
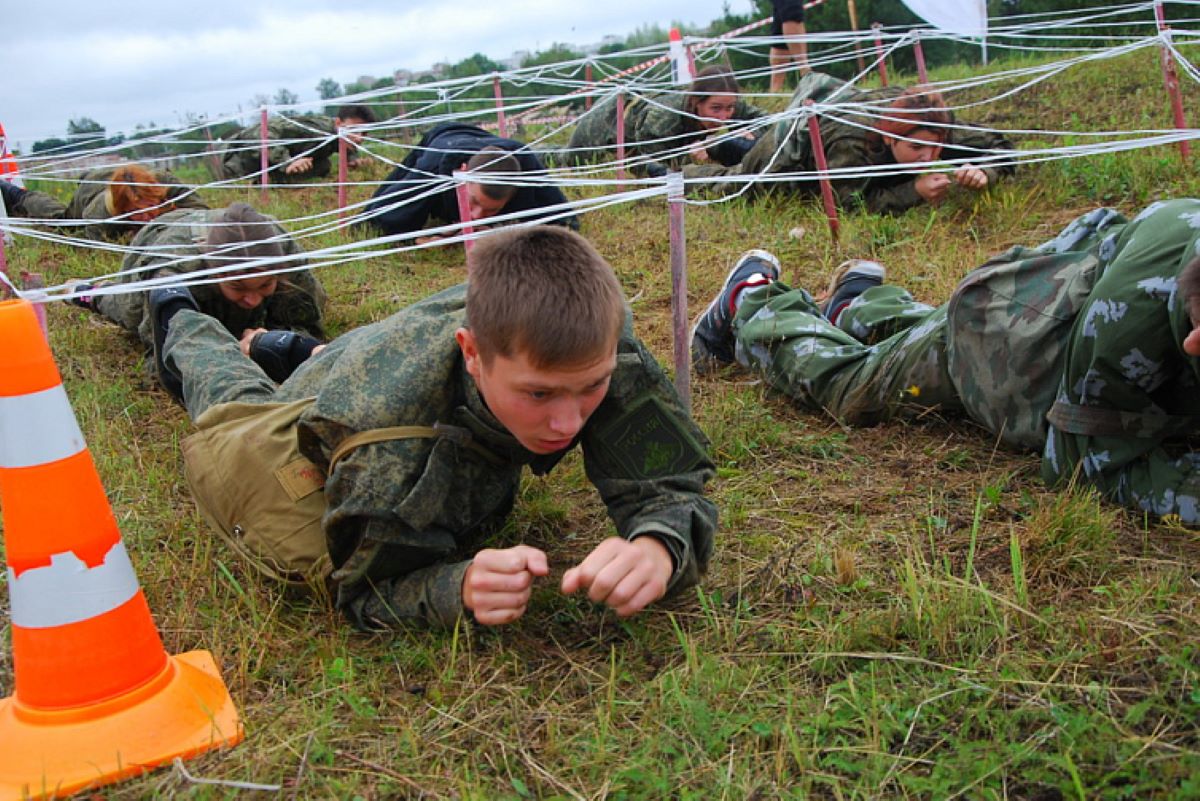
(879, 51)
(919, 55)
(263, 159)
(1171, 79)
(587, 77)
(1160, 18)
(620, 136)
(679, 302)
(814, 136)
(464, 210)
(501, 122)
(342, 167)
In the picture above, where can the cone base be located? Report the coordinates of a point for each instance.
(181, 713)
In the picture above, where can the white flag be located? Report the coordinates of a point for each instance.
(964, 17)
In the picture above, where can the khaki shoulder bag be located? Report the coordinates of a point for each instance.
(262, 496)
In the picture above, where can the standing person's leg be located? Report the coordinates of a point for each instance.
(210, 364)
(788, 20)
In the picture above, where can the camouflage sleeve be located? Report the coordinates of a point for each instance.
(1137, 469)
(649, 461)
(847, 150)
(659, 130)
(975, 143)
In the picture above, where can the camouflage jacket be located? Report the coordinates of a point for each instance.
(654, 125)
(403, 515)
(310, 135)
(297, 304)
(787, 148)
(92, 202)
(1129, 401)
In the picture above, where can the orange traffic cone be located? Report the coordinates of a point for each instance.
(97, 698)
(8, 162)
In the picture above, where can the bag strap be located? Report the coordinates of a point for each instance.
(461, 436)
(1096, 421)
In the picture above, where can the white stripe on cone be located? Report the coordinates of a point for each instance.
(38, 428)
(68, 591)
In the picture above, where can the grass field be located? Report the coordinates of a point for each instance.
(896, 612)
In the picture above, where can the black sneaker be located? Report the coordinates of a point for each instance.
(712, 334)
(84, 301)
(851, 279)
(165, 302)
(12, 195)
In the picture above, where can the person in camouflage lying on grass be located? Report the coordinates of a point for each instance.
(916, 128)
(534, 356)
(110, 202)
(277, 318)
(296, 152)
(1084, 348)
(659, 123)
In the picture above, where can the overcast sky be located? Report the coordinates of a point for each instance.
(122, 63)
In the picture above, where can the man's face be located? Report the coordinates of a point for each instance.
(249, 291)
(927, 147)
(480, 206)
(543, 408)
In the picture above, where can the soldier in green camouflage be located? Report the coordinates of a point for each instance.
(905, 128)
(665, 130)
(247, 304)
(299, 147)
(110, 203)
(535, 357)
(1076, 348)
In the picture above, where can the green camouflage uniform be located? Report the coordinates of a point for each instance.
(296, 305)
(243, 156)
(653, 125)
(1130, 397)
(403, 515)
(846, 146)
(91, 202)
(1090, 318)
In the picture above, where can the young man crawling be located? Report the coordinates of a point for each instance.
(531, 358)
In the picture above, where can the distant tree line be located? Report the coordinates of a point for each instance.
(834, 15)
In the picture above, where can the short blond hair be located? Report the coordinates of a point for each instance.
(543, 292)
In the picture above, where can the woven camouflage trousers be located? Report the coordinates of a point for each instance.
(994, 352)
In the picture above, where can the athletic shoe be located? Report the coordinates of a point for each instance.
(851, 279)
(712, 333)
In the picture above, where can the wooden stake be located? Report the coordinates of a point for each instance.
(679, 303)
(501, 122)
(342, 167)
(464, 210)
(1171, 79)
(814, 135)
(879, 51)
(263, 159)
(919, 55)
(620, 136)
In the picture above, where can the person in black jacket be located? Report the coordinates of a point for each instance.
(410, 198)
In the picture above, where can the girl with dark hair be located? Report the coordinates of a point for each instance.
(672, 128)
